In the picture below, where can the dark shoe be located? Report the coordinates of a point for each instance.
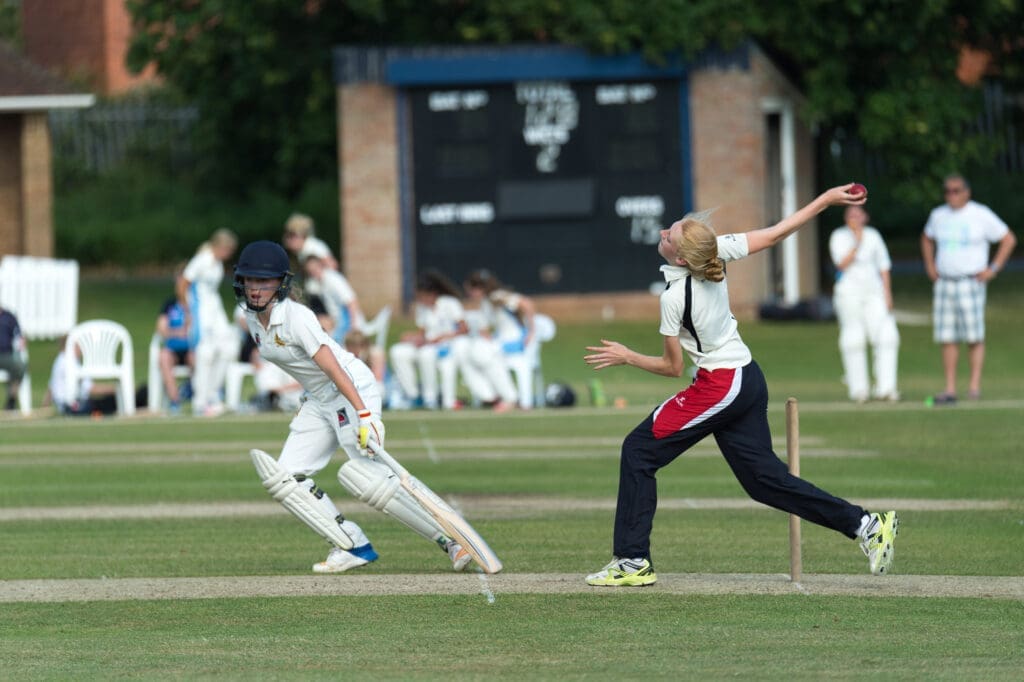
(945, 399)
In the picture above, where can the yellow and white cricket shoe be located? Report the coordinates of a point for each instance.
(878, 540)
(458, 554)
(340, 560)
(624, 573)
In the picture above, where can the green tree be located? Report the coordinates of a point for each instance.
(883, 70)
(10, 21)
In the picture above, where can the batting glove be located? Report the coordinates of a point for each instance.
(370, 428)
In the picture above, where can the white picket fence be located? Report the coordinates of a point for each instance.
(42, 293)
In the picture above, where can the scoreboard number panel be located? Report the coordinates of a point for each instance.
(557, 186)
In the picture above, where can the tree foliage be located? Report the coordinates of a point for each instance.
(884, 70)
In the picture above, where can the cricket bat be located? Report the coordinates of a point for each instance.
(449, 520)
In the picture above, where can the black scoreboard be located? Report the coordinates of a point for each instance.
(557, 186)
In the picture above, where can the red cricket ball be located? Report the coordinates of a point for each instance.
(858, 189)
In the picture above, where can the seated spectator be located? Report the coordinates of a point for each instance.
(506, 328)
(437, 345)
(300, 241)
(338, 298)
(359, 344)
(484, 369)
(276, 389)
(172, 326)
(89, 399)
(12, 355)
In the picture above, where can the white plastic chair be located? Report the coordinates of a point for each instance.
(526, 365)
(234, 378)
(378, 327)
(155, 392)
(98, 342)
(24, 389)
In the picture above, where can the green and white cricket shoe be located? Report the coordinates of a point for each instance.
(878, 541)
(624, 573)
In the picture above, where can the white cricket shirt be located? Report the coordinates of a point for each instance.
(697, 312)
(205, 273)
(863, 274)
(293, 337)
(442, 318)
(962, 238)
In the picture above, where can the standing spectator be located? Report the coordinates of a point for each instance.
(437, 345)
(863, 303)
(172, 326)
(955, 246)
(12, 355)
(217, 341)
(301, 241)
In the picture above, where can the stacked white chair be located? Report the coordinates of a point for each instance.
(43, 294)
(526, 365)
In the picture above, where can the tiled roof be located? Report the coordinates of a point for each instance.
(21, 78)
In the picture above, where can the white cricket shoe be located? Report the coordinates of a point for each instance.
(340, 560)
(457, 553)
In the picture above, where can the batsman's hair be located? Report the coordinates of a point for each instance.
(698, 246)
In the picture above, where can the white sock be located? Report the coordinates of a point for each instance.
(866, 522)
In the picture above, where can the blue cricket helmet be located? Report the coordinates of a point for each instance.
(266, 260)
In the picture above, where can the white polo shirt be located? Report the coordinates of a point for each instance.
(293, 337)
(337, 294)
(863, 274)
(697, 312)
(442, 318)
(962, 238)
(205, 273)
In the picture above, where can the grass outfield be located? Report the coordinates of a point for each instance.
(175, 505)
(126, 500)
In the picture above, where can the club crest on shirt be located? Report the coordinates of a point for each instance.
(257, 339)
(278, 340)
(342, 417)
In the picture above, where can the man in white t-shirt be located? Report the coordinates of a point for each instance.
(955, 245)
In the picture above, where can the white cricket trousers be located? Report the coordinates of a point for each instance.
(318, 429)
(407, 358)
(218, 345)
(864, 319)
(486, 373)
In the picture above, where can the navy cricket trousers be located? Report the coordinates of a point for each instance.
(732, 405)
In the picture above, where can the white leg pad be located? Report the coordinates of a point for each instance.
(377, 485)
(297, 499)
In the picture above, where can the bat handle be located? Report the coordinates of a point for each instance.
(378, 450)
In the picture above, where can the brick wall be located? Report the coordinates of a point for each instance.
(82, 40)
(10, 184)
(368, 169)
(37, 185)
(26, 191)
